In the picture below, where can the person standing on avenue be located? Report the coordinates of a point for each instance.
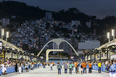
(2, 66)
(20, 69)
(44, 65)
(26, 67)
(51, 66)
(81, 69)
(5, 69)
(65, 68)
(99, 67)
(16, 67)
(59, 67)
(113, 69)
(84, 67)
(90, 67)
(76, 67)
(70, 68)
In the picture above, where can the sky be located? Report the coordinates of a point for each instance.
(99, 8)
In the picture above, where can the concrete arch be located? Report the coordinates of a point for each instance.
(58, 42)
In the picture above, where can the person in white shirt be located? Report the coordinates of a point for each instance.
(5, 69)
(29, 65)
(20, 69)
(2, 65)
(51, 66)
(26, 67)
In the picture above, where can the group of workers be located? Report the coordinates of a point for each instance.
(69, 66)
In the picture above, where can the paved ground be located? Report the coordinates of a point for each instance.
(46, 72)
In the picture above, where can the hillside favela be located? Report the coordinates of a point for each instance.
(57, 38)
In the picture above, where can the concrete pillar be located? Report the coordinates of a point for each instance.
(11, 55)
(100, 54)
(17, 55)
(107, 54)
(94, 57)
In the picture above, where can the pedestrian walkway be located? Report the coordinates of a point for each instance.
(46, 72)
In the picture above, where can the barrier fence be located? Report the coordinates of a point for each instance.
(103, 67)
(95, 67)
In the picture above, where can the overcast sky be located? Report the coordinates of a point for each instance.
(99, 8)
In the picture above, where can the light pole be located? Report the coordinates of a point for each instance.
(113, 34)
(100, 54)
(107, 50)
(7, 35)
(108, 36)
(2, 33)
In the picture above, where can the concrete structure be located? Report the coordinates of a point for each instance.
(5, 21)
(51, 50)
(87, 45)
(48, 15)
(88, 24)
(113, 57)
(8, 51)
(108, 48)
(58, 42)
(77, 23)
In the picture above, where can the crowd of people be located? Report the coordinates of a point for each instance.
(79, 67)
(71, 66)
(84, 67)
(17, 65)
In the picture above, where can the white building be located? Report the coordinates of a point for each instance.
(77, 23)
(88, 45)
(48, 15)
(88, 24)
(5, 21)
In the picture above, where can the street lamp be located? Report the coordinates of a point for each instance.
(2, 33)
(113, 34)
(7, 35)
(108, 36)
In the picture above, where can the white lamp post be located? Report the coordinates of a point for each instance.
(7, 35)
(113, 33)
(108, 36)
(2, 33)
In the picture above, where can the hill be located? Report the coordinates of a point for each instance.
(25, 12)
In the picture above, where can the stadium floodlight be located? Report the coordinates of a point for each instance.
(113, 33)
(108, 36)
(2, 33)
(7, 35)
